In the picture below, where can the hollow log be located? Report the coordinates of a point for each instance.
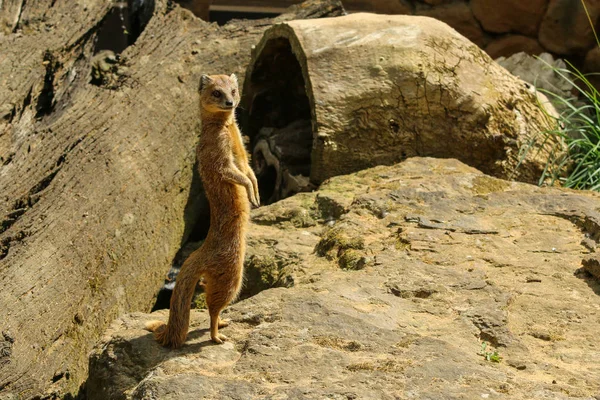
(379, 89)
(96, 193)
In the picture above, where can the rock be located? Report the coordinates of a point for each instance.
(512, 16)
(379, 6)
(538, 71)
(384, 88)
(592, 266)
(9, 18)
(450, 257)
(592, 60)
(591, 66)
(566, 28)
(460, 17)
(545, 82)
(511, 44)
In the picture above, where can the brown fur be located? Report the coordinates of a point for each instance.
(229, 183)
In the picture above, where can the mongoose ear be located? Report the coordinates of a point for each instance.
(204, 81)
(233, 78)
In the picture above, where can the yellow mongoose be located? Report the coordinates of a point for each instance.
(229, 183)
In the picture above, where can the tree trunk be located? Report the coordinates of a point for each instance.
(96, 195)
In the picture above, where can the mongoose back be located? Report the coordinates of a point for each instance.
(230, 185)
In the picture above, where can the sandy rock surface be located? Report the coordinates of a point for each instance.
(400, 280)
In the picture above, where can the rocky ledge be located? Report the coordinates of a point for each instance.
(423, 280)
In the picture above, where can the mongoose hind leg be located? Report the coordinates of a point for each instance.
(215, 336)
(223, 322)
(216, 300)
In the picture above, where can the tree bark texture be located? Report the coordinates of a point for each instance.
(95, 180)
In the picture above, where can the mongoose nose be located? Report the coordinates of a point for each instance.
(229, 103)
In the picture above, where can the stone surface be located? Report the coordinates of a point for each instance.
(9, 15)
(200, 8)
(538, 71)
(511, 44)
(454, 258)
(566, 28)
(591, 66)
(541, 75)
(592, 60)
(506, 16)
(460, 17)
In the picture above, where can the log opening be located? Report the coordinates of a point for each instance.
(119, 29)
(277, 118)
(123, 25)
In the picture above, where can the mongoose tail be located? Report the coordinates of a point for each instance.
(155, 326)
(174, 333)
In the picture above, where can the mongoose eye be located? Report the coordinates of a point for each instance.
(216, 93)
(233, 92)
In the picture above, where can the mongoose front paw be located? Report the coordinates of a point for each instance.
(257, 197)
(253, 200)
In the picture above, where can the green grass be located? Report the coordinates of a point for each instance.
(579, 128)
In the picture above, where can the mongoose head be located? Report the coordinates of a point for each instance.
(219, 93)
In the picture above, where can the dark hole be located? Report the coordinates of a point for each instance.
(222, 17)
(277, 118)
(394, 126)
(45, 101)
(163, 299)
(123, 25)
(267, 180)
(120, 28)
(58, 376)
(277, 87)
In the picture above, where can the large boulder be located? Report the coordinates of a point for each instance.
(379, 89)
(459, 16)
(543, 72)
(506, 46)
(514, 16)
(427, 280)
(567, 27)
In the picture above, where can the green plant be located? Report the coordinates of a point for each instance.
(578, 127)
(488, 355)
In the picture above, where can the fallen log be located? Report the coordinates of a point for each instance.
(379, 89)
(96, 193)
